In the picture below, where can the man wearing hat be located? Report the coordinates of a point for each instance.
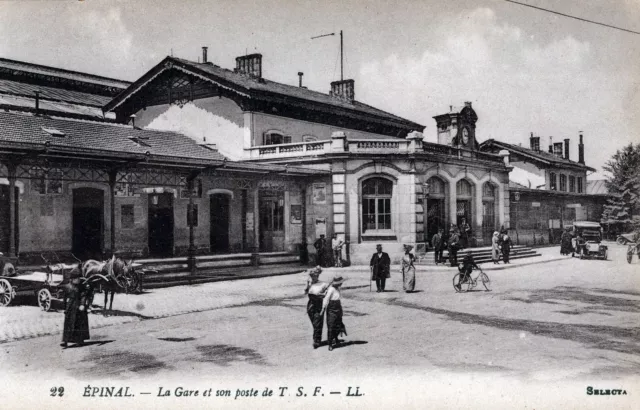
(380, 268)
(332, 305)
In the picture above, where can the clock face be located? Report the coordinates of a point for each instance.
(465, 136)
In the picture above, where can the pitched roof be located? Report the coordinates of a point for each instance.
(94, 137)
(12, 66)
(255, 88)
(18, 88)
(540, 156)
(21, 103)
(597, 187)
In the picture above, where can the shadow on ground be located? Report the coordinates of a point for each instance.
(106, 364)
(225, 355)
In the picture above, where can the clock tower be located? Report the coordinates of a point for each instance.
(458, 127)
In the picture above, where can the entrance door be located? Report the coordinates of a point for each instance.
(219, 231)
(271, 221)
(87, 223)
(488, 221)
(161, 224)
(4, 218)
(435, 217)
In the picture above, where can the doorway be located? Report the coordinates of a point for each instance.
(4, 218)
(219, 217)
(87, 223)
(271, 221)
(435, 217)
(161, 224)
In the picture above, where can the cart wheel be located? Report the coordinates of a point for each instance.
(621, 240)
(6, 292)
(44, 299)
(629, 254)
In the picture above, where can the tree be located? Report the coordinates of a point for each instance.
(623, 205)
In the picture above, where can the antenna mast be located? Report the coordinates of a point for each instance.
(341, 51)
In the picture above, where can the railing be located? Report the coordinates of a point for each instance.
(362, 146)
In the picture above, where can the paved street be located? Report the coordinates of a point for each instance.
(563, 325)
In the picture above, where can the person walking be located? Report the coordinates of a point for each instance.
(76, 321)
(565, 243)
(380, 265)
(454, 245)
(336, 246)
(465, 233)
(438, 243)
(321, 244)
(506, 247)
(332, 305)
(495, 248)
(316, 291)
(408, 270)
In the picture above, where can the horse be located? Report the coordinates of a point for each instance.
(111, 276)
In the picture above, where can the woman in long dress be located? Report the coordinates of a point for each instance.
(408, 270)
(495, 248)
(565, 243)
(76, 320)
(332, 305)
(316, 291)
(506, 248)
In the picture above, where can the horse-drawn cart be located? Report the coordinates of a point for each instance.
(43, 285)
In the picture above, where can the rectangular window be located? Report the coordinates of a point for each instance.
(127, 219)
(579, 185)
(552, 181)
(563, 182)
(572, 183)
(46, 181)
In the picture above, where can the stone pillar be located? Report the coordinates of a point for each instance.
(12, 209)
(339, 142)
(415, 141)
(112, 204)
(339, 204)
(304, 252)
(191, 252)
(255, 254)
(421, 206)
(453, 207)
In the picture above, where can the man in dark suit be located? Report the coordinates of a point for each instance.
(380, 268)
(321, 248)
(439, 244)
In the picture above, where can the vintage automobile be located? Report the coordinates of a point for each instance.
(590, 246)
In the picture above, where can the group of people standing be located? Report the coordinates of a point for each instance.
(329, 253)
(457, 238)
(500, 245)
(325, 297)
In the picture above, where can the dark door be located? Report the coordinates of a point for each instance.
(161, 224)
(4, 218)
(271, 207)
(435, 217)
(87, 223)
(219, 209)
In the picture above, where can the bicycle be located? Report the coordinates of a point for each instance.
(470, 283)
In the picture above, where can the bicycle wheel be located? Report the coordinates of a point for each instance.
(458, 286)
(486, 282)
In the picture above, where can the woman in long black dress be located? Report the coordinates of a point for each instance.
(76, 320)
(316, 291)
(333, 307)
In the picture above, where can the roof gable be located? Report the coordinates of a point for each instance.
(251, 88)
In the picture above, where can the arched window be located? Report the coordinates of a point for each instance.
(464, 193)
(435, 212)
(436, 187)
(376, 204)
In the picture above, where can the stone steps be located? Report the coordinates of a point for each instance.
(480, 255)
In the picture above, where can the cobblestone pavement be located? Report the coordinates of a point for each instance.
(22, 319)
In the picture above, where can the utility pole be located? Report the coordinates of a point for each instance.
(341, 51)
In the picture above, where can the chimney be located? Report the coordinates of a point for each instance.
(300, 74)
(534, 143)
(37, 102)
(550, 145)
(204, 55)
(250, 64)
(566, 148)
(557, 149)
(581, 150)
(344, 90)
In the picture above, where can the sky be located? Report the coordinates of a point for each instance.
(524, 70)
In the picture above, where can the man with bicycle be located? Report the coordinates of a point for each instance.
(465, 268)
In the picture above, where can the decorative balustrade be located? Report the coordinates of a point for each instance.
(369, 146)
